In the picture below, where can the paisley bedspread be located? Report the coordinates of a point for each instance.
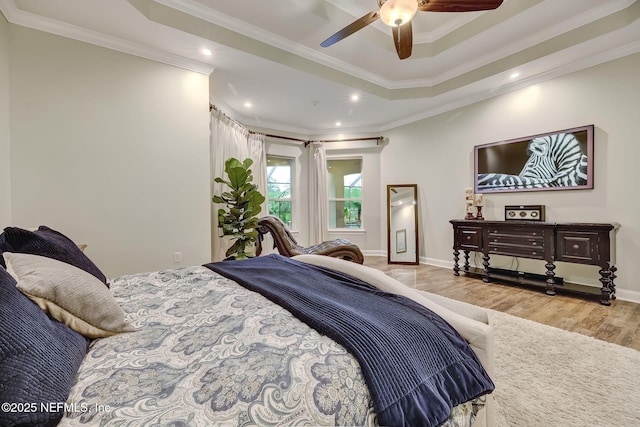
(208, 352)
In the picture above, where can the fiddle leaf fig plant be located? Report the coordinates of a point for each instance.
(243, 204)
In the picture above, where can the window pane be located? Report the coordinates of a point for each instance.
(345, 214)
(282, 210)
(278, 191)
(345, 193)
(280, 188)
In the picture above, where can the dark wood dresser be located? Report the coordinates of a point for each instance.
(579, 243)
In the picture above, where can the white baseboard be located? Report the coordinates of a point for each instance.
(436, 262)
(375, 253)
(422, 260)
(627, 295)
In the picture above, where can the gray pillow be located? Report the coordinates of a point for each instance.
(69, 294)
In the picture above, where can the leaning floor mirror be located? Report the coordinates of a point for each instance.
(402, 224)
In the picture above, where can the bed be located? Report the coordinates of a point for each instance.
(197, 346)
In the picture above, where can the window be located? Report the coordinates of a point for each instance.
(279, 188)
(345, 193)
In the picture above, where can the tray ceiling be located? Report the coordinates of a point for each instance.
(268, 52)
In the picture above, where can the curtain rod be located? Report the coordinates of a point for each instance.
(306, 142)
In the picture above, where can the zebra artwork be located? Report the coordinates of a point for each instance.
(555, 160)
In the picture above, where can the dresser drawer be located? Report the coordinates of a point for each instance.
(534, 241)
(578, 247)
(470, 238)
(516, 250)
(516, 232)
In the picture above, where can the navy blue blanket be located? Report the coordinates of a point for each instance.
(417, 367)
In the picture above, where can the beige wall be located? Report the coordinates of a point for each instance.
(111, 149)
(5, 134)
(441, 160)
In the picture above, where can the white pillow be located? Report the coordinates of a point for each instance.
(69, 294)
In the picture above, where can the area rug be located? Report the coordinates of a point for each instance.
(550, 377)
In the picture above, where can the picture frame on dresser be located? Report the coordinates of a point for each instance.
(558, 160)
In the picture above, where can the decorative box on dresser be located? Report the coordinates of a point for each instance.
(579, 243)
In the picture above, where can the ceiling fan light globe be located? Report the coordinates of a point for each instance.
(398, 12)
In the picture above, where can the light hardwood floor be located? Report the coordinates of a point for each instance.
(618, 323)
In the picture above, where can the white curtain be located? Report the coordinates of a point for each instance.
(230, 139)
(257, 153)
(318, 194)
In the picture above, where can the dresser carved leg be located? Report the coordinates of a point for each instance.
(612, 285)
(551, 283)
(466, 261)
(456, 258)
(485, 264)
(605, 279)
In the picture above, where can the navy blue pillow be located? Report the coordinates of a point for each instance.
(2, 245)
(39, 358)
(49, 243)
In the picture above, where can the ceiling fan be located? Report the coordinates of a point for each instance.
(398, 14)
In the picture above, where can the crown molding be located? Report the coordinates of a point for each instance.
(27, 19)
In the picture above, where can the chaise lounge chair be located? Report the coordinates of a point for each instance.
(288, 246)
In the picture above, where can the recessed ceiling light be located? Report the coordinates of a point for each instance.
(355, 97)
(206, 52)
(338, 124)
(248, 104)
(515, 75)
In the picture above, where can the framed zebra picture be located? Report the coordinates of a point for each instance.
(560, 160)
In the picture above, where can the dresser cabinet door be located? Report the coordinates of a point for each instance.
(578, 247)
(470, 238)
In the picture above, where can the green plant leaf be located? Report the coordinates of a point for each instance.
(252, 234)
(239, 218)
(232, 163)
(222, 181)
(238, 177)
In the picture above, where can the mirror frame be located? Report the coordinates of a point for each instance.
(415, 210)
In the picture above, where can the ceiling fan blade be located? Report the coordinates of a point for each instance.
(458, 5)
(351, 28)
(403, 39)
